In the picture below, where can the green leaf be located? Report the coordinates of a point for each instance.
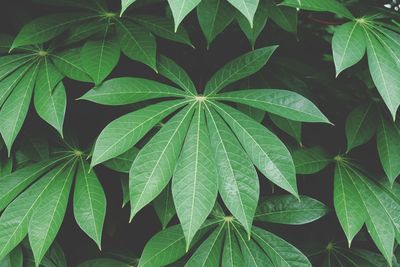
(125, 4)
(13, 184)
(347, 201)
(49, 213)
(361, 125)
(238, 180)
(124, 132)
(195, 180)
(252, 253)
(254, 113)
(388, 143)
(284, 103)
(209, 252)
(100, 57)
(173, 72)
(214, 16)
(164, 28)
(137, 43)
(164, 206)
(14, 259)
(69, 64)
(50, 98)
(310, 160)
(10, 64)
(239, 68)
(292, 128)
(154, 165)
(260, 19)
(231, 254)
(123, 162)
(15, 109)
(348, 45)
(279, 251)
(181, 8)
(104, 262)
(14, 221)
(89, 203)
(384, 72)
(332, 6)
(246, 7)
(129, 90)
(86, 30)
(284, 17)
(168, 246)
(286, 209)
(125, 189)
(45, 28)
(265, 150)
(5, 42)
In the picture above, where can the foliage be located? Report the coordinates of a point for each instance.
(263, 153)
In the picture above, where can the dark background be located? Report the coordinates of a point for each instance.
(310, 46)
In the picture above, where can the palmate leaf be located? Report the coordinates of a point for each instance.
(265, 150)
(214, 16)
(320, 5)
(348, 45)
(86, 30)
(180, 9)
(284, 103)
(123, 162)
(195, 182)
(246, 7)
(286, 209)
(164, 206)
(231, 254)
(49, 213)
(292, 128)
(124, 132)
(155, 163)
(239, 68)
(89, 203)
(238, 180)
(69, 63)
(13, 259)
(310, 160)
(45, 28)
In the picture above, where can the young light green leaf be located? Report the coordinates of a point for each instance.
(69, 63)
(260, 19)
(284, 103)
(123, 162)
(100, 57)
(50, 98)
(239, 68)
(164, 28)
(181, 8)
(279, 251)
(310, 160)
(124, 132)
(89, 203)
(361, 125)
(15, 109)
(238, 180)
(175, 73)
(45, 28)
(129, 90)
(125, 4)
(348, 45)
(164, 206)
(384, 72)
(266, 150)
(292, 128)
(286, 209)
(137, 43)
(320, 5)
(246, 7)
(195, 179)
(214, 16)
(208, 254)
(49, 213)
(154, 165)
(347, 201)
(14, 221)
(388, 143)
